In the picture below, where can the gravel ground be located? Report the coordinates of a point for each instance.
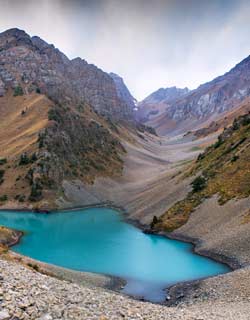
(26, 294)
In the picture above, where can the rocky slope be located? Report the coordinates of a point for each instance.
(123, 91)
(31, 295)
(34, 65)
(222, 170)
(207, 102)
(60, 119)
(157, 102)
(224, 120)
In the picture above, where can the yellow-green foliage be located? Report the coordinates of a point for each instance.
(226, 168)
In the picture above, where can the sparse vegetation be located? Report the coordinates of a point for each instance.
(225, 168)
(199, 184)
(54, 115)
(154, 222)
(36, 191)
(1, 176)
(3, 161)
(24, 159)
(33, 266)
(20, 197)
(18, 91)
(3, 198)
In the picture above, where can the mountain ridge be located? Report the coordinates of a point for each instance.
(203, 105)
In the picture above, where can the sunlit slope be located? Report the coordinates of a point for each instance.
(223, 169)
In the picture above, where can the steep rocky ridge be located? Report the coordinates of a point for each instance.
(224, 120)
(60, 119)
(35, 65)
(123, 91)
(157, 102)
(207, 102)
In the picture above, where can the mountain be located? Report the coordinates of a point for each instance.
(223, 170)
(157, 102)
(224, 120)
(33, 64)
(59, 119)
(123, 91)
(208, 102)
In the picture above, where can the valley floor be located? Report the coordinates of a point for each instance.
(150, 184)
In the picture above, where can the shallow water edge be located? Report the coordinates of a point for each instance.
(117, 283)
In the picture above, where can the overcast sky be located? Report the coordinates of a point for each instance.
(150, 43)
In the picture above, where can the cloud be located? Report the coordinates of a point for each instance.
(151, 44)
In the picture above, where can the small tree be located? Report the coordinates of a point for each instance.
(154, 222)
(199, 184)
(24, 159)
(18, 91)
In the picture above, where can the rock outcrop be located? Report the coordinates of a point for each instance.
(157, 102)
(123, 91)
(33, 64)
(59, 120)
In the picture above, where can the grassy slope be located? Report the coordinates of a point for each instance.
(80, 143)
(18, 134)
(226, 168)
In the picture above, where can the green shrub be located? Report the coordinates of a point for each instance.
(234, 158)
(199, 184)
(3, 198)
(24, 159)
(3, 161)
(20, 197)
(18, 91)
(2, 173)
(36, 192)
(54, 115)
(1, 176)
(154, 222)
(218, 143)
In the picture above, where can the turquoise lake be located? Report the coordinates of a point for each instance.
(98, 240)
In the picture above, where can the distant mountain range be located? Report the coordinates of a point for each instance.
(197, 108)
(157, 102)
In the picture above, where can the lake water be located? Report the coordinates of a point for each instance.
(98, 240)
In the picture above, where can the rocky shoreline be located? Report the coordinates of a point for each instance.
(116, 283)
(186, 299)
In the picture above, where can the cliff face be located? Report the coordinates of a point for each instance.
(59, 120)
(35, 65)
(123, 91)
(207, 102)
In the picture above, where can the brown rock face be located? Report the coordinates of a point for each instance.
(36, 65)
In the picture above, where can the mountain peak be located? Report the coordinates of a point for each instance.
(123, 91)
(165, 94)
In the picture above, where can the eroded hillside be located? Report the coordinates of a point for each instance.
(222, 170)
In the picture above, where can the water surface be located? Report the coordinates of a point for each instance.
(98, 240)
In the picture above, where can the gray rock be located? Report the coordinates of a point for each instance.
(4, 315)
